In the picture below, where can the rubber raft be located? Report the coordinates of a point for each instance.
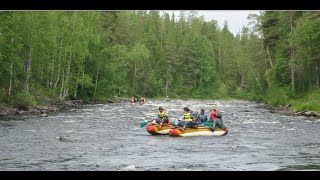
(166, 129)
(155, 129)
(200, 131)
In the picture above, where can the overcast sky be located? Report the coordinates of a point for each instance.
(236, 18)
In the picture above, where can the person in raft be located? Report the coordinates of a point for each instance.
(133, 99)
(200, 117)
(162, 116)
(186, 120)
(216, 118)
(142, 100)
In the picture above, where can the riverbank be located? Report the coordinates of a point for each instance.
(287, 110)
(45, 110)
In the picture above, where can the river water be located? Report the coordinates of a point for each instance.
(107, 137)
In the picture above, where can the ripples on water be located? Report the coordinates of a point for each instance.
(107, 137)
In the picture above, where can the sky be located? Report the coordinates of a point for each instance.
(236, 18)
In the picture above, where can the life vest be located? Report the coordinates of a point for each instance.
(187, 116)
(216, 114)
(161, 114)
(133, 99)
(143, 100)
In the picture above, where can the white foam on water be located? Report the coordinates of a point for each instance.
(129, 168)
(105, 110)
(69, 121)
(292, 129)
(31, 130)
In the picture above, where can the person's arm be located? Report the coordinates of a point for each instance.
(165, 116)
(205, 118)
(197, 117)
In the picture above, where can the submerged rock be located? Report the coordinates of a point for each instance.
(63, 139)
(43, 115)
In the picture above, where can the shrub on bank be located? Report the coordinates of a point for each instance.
(23, 101)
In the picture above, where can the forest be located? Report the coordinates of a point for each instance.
(53, 56)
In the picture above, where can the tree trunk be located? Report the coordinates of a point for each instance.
(167, 82)
(257, 80)
(11, 74)
(62, 85)
(65, 91)
(76, 88)
(145, 85)
(219, 65)
(59, 63)
(317, 75)
(134, 78)
(292, 79)
(292, 53)
(161, 33)
(310, 77)
(82, 78)
(96, 84)
(63, 81)
(28, 69)
(269, 56)
(51, 75)
(41, 74)
(58, 75)
(242, 82)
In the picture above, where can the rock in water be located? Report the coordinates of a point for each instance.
(43, 115)
(129, 168)
(63, 139)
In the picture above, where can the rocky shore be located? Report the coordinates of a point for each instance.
(44, 111)
(287, 111)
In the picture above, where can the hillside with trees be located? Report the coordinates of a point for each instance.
(52, 56)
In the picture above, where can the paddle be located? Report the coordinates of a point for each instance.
(143, 124)
(175, 122)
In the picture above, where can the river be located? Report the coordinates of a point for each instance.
(107, 137)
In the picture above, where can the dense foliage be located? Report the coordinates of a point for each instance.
(94, 55)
